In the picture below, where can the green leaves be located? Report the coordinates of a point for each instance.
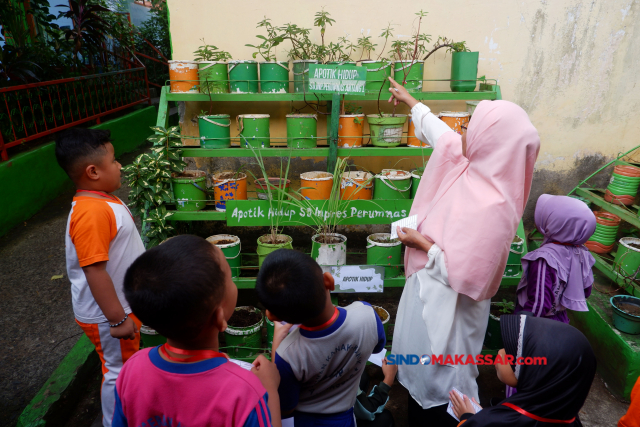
(208, 52)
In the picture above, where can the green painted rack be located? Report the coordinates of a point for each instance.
(602, 263)
(329, 151)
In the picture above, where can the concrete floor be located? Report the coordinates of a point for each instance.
(37, 326)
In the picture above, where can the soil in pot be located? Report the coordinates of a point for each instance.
(190, 174)
(632, 309)
(278, 239)
(381, 313)
(244, 318)
(379, 239)
(227, 175)
(323, 238)
(222, 242)
(634, 245)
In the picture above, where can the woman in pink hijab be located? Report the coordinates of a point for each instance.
(469, 202)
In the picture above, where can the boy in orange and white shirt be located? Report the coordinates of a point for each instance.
(101, 243)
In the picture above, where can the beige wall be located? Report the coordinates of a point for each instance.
(571, 64)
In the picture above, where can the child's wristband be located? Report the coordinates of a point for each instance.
(126, 316)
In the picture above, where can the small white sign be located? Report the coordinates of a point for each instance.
(358, 278)
(409, 222)
(450, 407)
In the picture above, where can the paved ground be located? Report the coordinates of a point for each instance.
(37, 328)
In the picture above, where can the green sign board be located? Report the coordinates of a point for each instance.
(262, 212)
(346, 79)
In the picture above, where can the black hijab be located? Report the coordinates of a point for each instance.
(554, 391)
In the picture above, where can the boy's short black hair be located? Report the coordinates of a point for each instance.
(290, 285)
(77, 147)
(174, 287)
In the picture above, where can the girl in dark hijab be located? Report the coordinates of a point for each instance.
(550, 394)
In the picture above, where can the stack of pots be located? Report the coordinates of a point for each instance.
(603, 239)
(316, 185)
(356, 185)
(392, 184)
(623, 186)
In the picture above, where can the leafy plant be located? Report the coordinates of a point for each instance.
(149, 177)
(88, 26)
(352, 108)
(367, 46)
(386, 33)
(269, 42)
(208, 52)
(505, 307)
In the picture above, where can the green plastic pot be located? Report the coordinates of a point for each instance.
(231, 250)
(243, 76)
(215, 131)
(512, 270)
(493, 336)
(386, 131)
(625, 322)
(516, 250)
(627, 260)
(464, 71)
(150, 338)
(274, 77)
(416, 176)
(621, 185)
(189, 190)
(245, 342)
(392, 185)
(301, 74)
(414, 73)
(327, 254)
(214, 77)
(342, 63)
(384, 319)
(302, 130)
(384, 253)
(378, 73)
(254, 130)
(265, 249)
(270, 330)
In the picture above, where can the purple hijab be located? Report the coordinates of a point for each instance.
(565, 220)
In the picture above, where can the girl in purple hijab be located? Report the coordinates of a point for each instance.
(557, 276)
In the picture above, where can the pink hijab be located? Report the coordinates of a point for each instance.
(470, 206)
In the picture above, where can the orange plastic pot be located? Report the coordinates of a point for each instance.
(598, 248)
(320, 184)
(350, 130)
(183, 76)
(618, 200)
(455, 119)
(412, 141)
(228, 186)
(607, 218)
(356, 185)
(626, 170)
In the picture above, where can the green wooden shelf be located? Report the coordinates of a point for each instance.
(607, 269)
(306, 152)
(593, 194)
(310, 97)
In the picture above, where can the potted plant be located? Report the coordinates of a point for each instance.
(231, 247)
(214, 129)
(493, 336)
(275, 192)
(212, 68)
(626, 313)
(383, 250)
(243, 336)
(228, 185)
(464, 68)
(274, 74)
(408, 70)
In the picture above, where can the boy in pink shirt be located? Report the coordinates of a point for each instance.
(183, 289)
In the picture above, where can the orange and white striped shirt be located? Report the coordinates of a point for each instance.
(99, 230)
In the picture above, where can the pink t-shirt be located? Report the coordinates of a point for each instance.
(151, 391)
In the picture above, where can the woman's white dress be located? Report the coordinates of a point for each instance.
(433, 319)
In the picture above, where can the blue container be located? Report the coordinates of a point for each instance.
(625, 322)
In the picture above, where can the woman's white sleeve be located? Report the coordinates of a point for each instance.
(436, 267)
(429, 128)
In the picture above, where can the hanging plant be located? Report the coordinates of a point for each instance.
(149, 178)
